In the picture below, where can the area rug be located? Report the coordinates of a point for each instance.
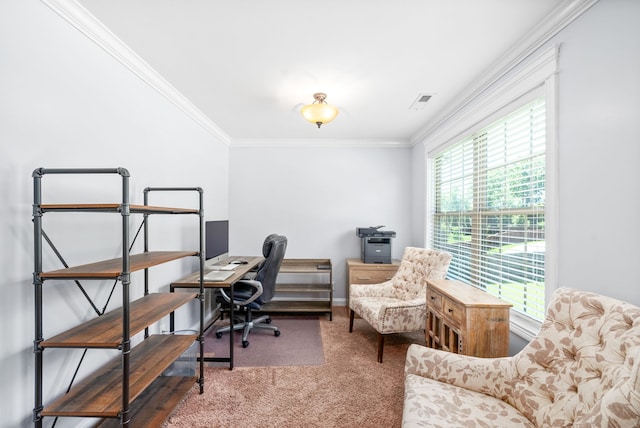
(299, 344)
(351, 389)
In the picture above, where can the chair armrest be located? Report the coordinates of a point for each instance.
(256, 285)
(383, 289)
(486, 375)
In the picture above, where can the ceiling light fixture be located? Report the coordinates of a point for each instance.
(319, 112)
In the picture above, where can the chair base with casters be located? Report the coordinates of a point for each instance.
(246, 324)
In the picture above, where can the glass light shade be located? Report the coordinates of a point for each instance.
(319, 113)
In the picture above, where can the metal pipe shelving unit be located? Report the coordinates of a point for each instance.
(114, 329)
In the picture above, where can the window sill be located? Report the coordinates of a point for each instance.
(523, 326)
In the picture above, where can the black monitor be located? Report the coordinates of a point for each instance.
(216, 243)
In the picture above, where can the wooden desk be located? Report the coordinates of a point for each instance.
(193, 281)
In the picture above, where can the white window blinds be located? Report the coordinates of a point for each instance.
(488, 208)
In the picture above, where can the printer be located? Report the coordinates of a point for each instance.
(376, 244)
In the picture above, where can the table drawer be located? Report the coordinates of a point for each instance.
(434, 300)
(370, 276)
(454, 311)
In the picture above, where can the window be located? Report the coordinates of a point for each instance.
(488, 208)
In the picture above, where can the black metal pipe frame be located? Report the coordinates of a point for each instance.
(37, 282)
(126, 281)
(201, 256)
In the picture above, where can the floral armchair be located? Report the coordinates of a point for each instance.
(399, 305)
(581, 370)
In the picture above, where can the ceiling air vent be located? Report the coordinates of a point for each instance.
(420, 102)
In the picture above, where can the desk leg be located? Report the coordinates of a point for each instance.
(201, 340)
(231, 318)
(228, 359)
(172, 316)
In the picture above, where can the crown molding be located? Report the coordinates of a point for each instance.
(557, 20)
(328, 143)
(524, 80)
(80, 18)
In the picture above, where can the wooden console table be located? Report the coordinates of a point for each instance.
(466, 320)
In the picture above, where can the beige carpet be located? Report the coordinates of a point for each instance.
(351, 389)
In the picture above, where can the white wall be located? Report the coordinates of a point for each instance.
(317, 197)
(418, 196)
(64, 102)
(599, 151)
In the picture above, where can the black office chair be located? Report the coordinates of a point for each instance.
(251, 294)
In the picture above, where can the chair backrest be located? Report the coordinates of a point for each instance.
(418, 265)
(583, 367)
(273, 250)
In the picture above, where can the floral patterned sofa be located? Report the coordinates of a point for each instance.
(581, 370)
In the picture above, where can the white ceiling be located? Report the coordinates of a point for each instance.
(249, 65)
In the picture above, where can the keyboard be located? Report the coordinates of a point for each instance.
(223, 267)
(218, 275)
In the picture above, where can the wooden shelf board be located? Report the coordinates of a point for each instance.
(112, 269)
(156, 403)
(296, 306)
(136, 209)
(100, 395)
(304, 265)
(303, 288)
(106, 331)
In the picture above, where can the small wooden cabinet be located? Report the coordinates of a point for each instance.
(466, 320)
(369, 273)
